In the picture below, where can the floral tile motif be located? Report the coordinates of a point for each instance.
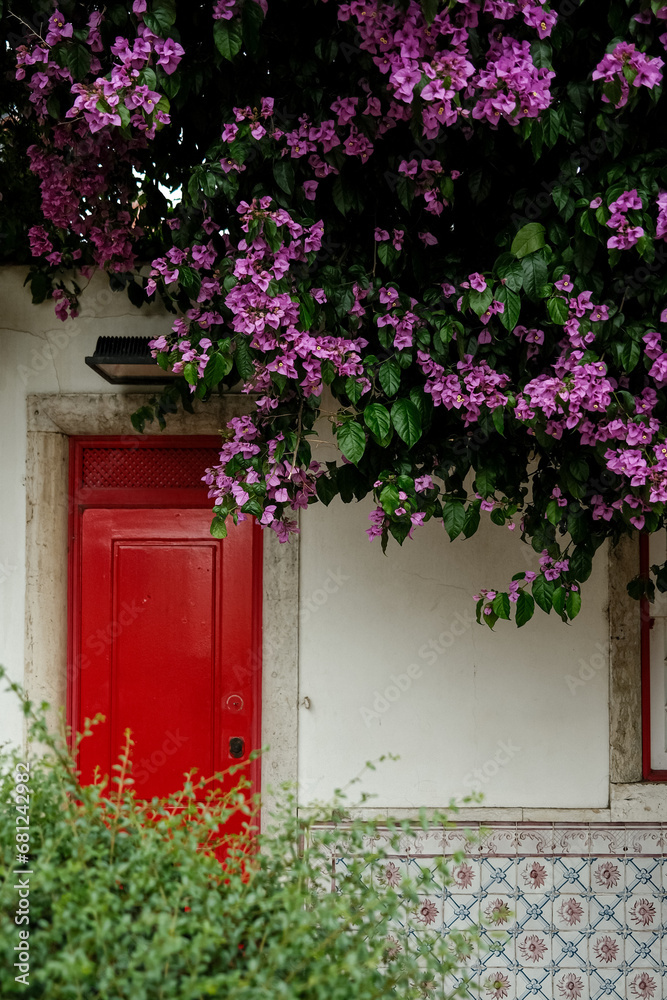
(566, 911)
(570, 985)
(570, 911)
(607, 875)
(644, 984)
(535, 875)
(498, 985)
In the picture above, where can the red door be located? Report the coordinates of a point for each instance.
(165, 632)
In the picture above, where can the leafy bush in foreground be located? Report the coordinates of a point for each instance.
(123, 902)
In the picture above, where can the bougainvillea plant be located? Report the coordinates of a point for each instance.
(440, 224)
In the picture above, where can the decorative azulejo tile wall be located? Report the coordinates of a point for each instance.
(569, 912)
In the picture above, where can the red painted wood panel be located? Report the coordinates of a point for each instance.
(168, 637)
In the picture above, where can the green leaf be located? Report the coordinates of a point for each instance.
(228, 38)
(389, 375)
(387, 254)
(377, 419)
(535, 275)
(581, 563)
(512, 303)
(78, 60)
(190, 373)
(480, 301)
(558, 310)
(630, 355)
(529, 239)
(543, 590)
(353, 389)
(525, 608)
(351, 440)
(501, 606)
(326, 489)
(219, 528)
(573, 603)
(161, 16)
(407, 421)
(472, 520)
(328, 371)
(307, 307)
(430, 9)
(243, 359)
(509, 269)
(485, 481)
(218, 366)
(343, 195)
(454, 517)
(283, 171)
(559, 597)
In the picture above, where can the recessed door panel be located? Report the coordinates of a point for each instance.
(168, 635)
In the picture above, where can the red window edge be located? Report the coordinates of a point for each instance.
(649, 773)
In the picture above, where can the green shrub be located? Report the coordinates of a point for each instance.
(124, 902)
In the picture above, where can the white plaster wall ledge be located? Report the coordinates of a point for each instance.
(489, 815)
(110, 413)
(639, 803)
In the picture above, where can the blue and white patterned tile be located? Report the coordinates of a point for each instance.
(569, 949)
(607, 985)
(498, 985)
(459, 986)
(608, 875)
(461, 910)
(534, 984)
(607, 912)
(534, 912)
(498, 874)
(643, 874)
(645, 984)
(466, 876)
(570, 911)
(643, 949)
(535, 874)
(496, 950)
(498, 911)
(571, 874)
(606, 949)
(533, 949)
(570, 984)
(643, 911)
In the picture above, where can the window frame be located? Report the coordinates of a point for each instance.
(648, 620)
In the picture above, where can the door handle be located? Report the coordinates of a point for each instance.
(236, 746)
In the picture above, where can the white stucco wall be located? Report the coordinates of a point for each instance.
(498, 702)
(39, 353)
(365, 619)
